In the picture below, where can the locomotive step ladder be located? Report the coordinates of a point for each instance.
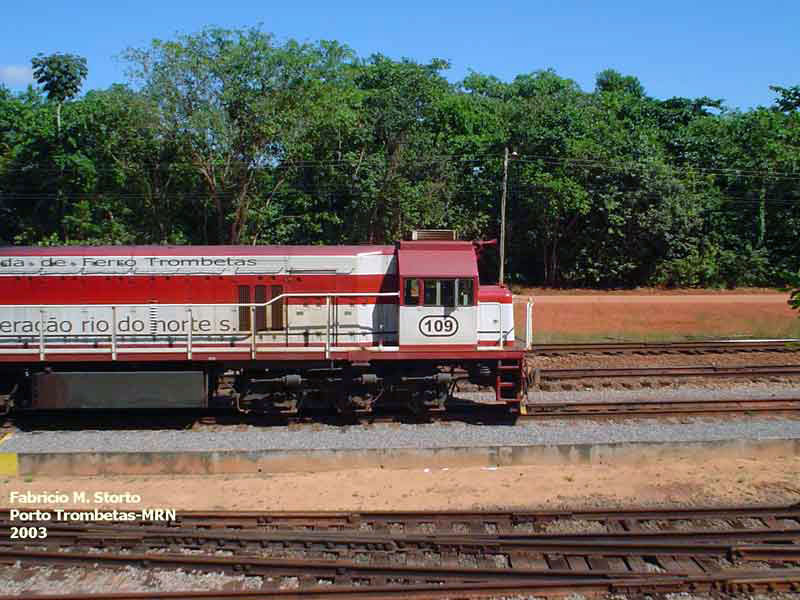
(508, 384)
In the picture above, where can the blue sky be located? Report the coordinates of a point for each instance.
(732, 50)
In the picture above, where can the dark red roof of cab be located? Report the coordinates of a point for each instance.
(436, 259)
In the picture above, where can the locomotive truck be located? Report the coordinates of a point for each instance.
(295, 327)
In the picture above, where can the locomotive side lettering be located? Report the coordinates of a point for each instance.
(12, 263)
(438, 326)
(129, 263)
(202, 261)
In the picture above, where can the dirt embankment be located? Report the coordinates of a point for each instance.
(647, 316)
(686, 481)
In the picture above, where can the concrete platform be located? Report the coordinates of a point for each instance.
(318, 448)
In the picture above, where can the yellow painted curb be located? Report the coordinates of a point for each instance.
(9, 464)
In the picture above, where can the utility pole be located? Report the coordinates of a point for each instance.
(503, 219)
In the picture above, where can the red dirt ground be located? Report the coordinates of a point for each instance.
(648, 316)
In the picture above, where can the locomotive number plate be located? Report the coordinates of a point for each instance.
(438, 326)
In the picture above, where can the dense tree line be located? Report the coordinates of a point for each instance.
(235, 137)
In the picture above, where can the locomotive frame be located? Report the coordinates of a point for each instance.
(342, 338)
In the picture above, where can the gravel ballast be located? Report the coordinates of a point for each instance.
(404, 436)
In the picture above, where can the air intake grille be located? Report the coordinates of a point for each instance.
(434, 234)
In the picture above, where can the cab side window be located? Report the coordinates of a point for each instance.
(411, 296)
(466, 292)
(431, 293)
(447, 292)
(439, 292)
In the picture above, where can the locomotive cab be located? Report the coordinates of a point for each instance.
(438, 294)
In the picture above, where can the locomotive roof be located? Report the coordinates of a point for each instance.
(436, 259)
(195, 250)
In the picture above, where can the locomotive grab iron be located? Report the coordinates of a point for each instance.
(300, 326)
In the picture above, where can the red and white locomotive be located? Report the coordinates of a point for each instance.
(301, 326)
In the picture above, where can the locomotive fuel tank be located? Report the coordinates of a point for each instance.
(119, 390)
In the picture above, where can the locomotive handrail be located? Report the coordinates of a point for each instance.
(188, 308)
(108, 340)
(224, 305)
(500, 325)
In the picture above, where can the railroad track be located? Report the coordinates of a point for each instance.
(463, 554)
(482, 549)
(654, 348)
(629, 377)
(466, 522)
(661, 408)
(741, 583)
(555, 375)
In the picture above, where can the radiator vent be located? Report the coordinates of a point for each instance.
(152, 310)
(445, 235)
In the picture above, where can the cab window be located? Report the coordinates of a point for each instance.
(466, 292)
(431, 292)
(439, 292)
(411, 296)
(447, 292)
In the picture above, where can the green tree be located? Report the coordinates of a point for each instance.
(61, 76)
(788, 98)
(613, 81)
(399, 107)
(238, 103)
(231, 136)
(545, 113)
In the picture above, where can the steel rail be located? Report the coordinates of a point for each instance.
(769, 581)
(712, 543)
(694, 371)
(696, 347)
(305, 569)
(537, 410)
(474, 583)
(301, 535)
(109, 535)
(473, 522)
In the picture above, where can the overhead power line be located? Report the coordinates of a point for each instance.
(449, 158)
